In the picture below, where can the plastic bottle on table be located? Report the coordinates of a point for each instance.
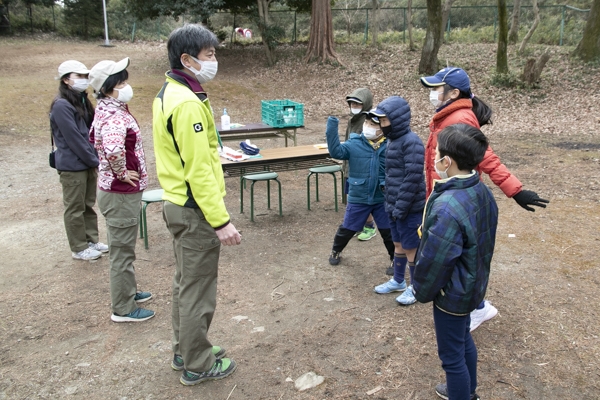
(225, 121)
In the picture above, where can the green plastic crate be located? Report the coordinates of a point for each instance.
(282, 113)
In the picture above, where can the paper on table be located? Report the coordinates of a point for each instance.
(236, 125)
(232, 155)
(321, 146)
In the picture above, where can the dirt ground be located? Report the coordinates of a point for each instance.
(56, 337)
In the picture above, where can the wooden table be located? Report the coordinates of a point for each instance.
(258, 130)
(279, 159)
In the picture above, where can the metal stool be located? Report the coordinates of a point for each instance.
(327, 169)
(265, 176)
(149, 196)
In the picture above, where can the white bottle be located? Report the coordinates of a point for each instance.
(225, 121)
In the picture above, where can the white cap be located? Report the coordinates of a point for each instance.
(72, 66)
(101, 71)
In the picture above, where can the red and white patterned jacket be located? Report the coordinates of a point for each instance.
(116, 136)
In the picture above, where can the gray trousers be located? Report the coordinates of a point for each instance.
(79, 197)
(121, 212)
(197, 249)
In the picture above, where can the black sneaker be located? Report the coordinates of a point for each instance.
(442, 391)
(390, 270)
(334, 258)
(177, 363)
(222, 368)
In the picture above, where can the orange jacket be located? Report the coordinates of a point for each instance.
(460, 112)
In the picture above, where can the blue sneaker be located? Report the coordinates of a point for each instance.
(390, 286)
(137, 315)
(141, 297)
(407, 298)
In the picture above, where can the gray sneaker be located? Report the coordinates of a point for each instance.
(87, 254)
(177, 363)
(442, 391)
(222, 368)
(101, 247)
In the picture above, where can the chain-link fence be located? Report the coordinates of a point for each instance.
(559, 25)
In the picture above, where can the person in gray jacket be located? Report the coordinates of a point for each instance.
(71, 115)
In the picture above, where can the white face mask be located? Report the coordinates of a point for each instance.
(125, 94)
(80, 85)
(442, 174)
(369, 132)
(355, 111)
(207, 72)
(434, 99)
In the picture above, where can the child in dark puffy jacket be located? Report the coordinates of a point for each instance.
(365, 153)
(453, 261)
(404, 191)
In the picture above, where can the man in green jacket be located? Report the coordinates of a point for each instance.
(189, 171)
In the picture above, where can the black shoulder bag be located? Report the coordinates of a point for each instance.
(51, 156)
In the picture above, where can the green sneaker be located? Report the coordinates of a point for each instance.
(368, 233)
(222, 368)
(177, 363)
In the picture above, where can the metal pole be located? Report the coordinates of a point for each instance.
(404, 27)
(367, 26)
(106, 41)
(233, 31)
(294, 39)
(448, 27)
(133, 32)
(562, 26)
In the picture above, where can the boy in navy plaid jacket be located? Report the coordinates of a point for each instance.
(453, 260)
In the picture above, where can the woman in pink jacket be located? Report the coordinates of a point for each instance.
(122, 179)
(455, 104)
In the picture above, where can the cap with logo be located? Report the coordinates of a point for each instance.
(101, 71)
(375, 114)
(455, 77)
(72, 66)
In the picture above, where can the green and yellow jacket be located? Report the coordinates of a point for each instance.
(186, 149)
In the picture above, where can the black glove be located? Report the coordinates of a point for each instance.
(525, 198)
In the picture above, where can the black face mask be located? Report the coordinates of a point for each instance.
(386, 130)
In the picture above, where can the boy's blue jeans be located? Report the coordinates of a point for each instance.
(458, 353)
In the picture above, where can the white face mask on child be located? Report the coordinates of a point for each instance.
(370, 133)
(355, 111)
(434, 98)
(442, 174)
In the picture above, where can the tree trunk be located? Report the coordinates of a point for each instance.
(513, 34)
(446, 14)
(501, 54)
(375, 25)
(320, 45)
(536, 22)
(263, 15)
(588, 48)
(411, 43)
(533, 69)
(433, 38)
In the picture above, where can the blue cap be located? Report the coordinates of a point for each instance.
(455, 77)
(375, 114)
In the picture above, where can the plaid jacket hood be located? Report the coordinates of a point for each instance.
(457, 244)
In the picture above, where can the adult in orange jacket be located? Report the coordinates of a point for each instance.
(455, 104)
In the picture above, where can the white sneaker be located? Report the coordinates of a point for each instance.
(480, 316)
(101, 247)
(87, 254)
